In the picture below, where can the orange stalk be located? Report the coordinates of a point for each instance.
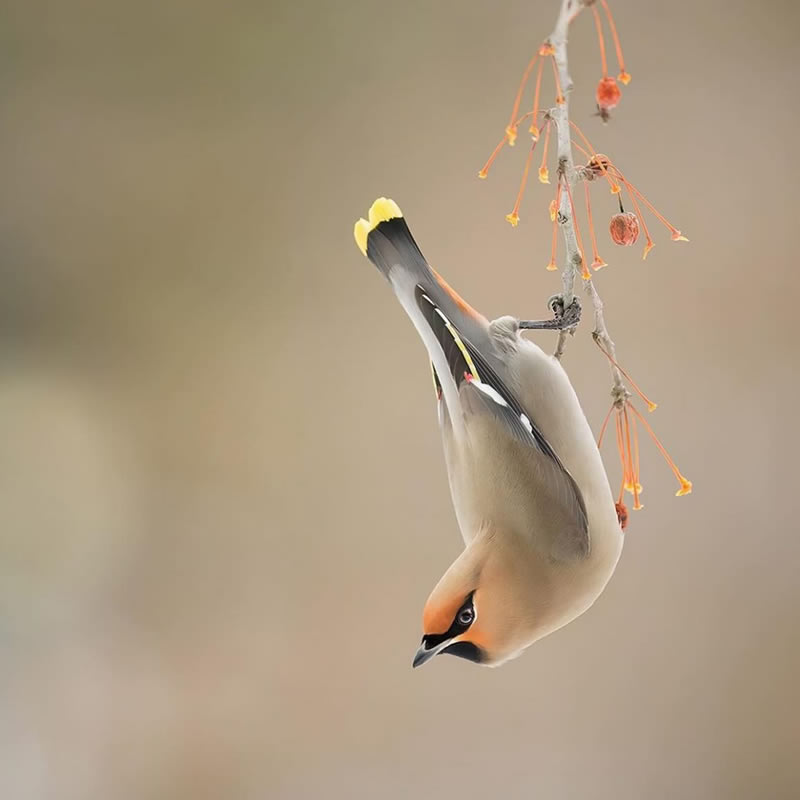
(513, 217)
(544, 176)
(637, 485)
(627, 442)
(533, 130)
(484, 170)
(686, 485)
(583, 150)
(621, 450)
(632, 484)
(603, 427)
(594, 154)
(651, 406)
(597, 262)
(511, 129)
(676, 234)
(606, 173)
(650, 243)
(600, 40)
(585, 140)
(623, 76)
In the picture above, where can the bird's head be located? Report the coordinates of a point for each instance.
(477, 611)
(453, 629)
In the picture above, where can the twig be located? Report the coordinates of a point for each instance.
(566, 172)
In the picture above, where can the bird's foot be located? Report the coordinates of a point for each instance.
(563, 318)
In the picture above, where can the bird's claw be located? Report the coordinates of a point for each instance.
(563, 318)
(567, 317)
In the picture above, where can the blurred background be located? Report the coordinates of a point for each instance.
(222, 506)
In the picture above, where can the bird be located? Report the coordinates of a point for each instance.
(530, 492)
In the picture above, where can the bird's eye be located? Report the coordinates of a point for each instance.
(465, 616)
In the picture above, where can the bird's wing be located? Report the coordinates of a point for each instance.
(516, 479)
(467, 375)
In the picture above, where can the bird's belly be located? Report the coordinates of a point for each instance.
(463, 477)
(488, 488)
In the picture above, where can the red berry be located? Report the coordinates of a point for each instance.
(622, 515)
(624, 228)
(608, 94)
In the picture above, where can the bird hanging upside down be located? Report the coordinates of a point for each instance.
(530, 492)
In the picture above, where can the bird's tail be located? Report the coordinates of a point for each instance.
(387, 242)
(449, 326)
(384, 238)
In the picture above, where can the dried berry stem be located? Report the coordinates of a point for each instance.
(534, 130)
(566, 166)
(600, 40)
(597, 262)
(511, 129)
(513, 217)
(623, 76)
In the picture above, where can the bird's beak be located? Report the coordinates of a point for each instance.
(427, 653)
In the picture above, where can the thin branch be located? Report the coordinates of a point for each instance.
(566, 171)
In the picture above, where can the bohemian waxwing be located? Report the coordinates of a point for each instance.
(530, 492)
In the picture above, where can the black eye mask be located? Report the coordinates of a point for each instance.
(461, 649)
(466, 650)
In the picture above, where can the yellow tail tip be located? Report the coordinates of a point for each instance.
(381, 210)
(360, 232)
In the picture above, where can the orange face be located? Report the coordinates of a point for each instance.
(438, 617)
(449, 628)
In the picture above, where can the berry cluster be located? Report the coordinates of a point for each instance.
(624, 226)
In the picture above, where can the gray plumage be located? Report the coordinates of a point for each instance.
(528, 485)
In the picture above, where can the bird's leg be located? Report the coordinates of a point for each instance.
(563, 318)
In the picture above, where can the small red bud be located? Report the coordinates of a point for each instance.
(608, 94)
(624, 228)
(599, 164)
(622, 515)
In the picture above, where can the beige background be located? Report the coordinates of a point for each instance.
(222, 497)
